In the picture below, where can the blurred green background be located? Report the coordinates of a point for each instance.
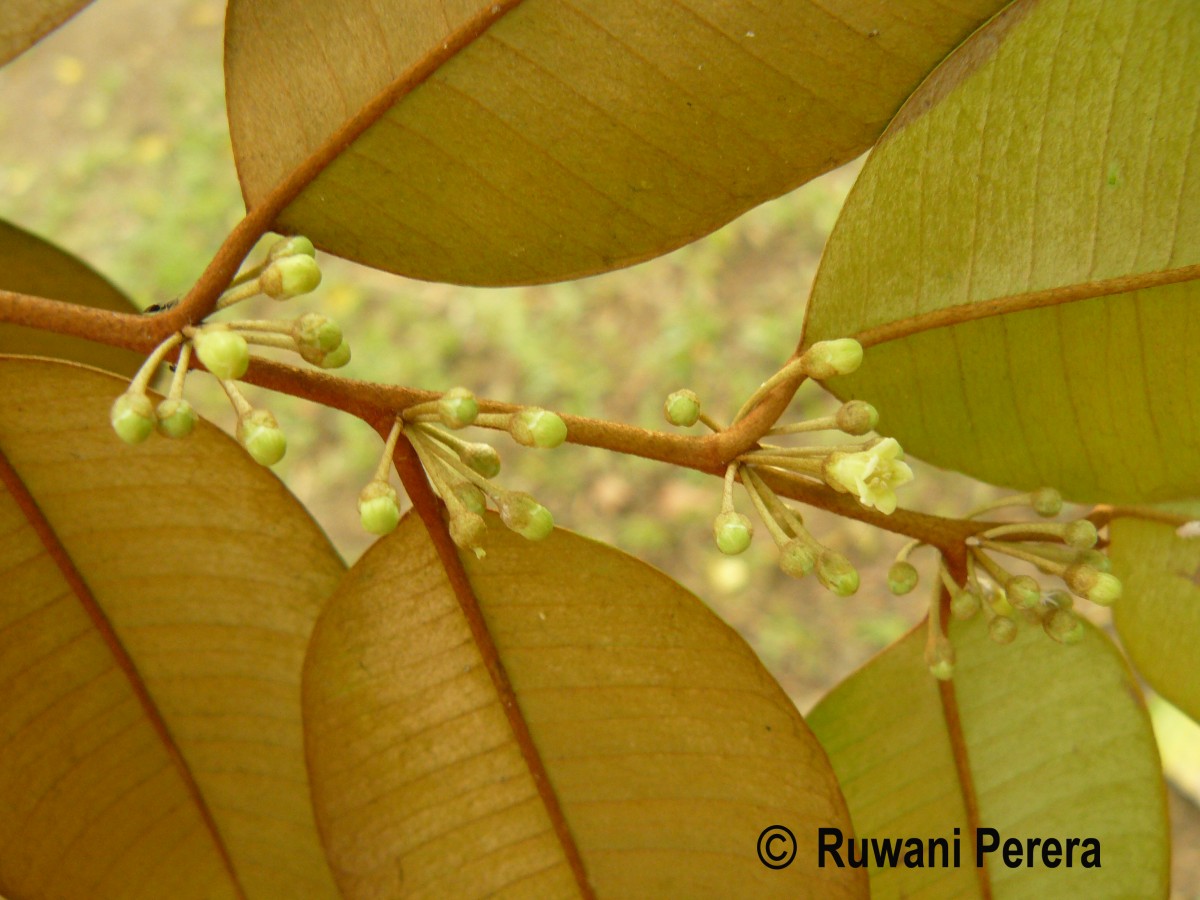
(114, 144)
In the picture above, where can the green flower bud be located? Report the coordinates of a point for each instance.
(1002, 630)
(224, 353)
(337, 357)
(965, 604)
(902, 578)
(535, 427)
(259, 433)
(857, 417)
(457, 408)
(176, 418)
(525, 516)
(481, 458)
(836, 573)
(1080, 578)
(940, 657)
(732, 532)
(467, 530)
(470, 496)
(1063, 626)
(297, 245)
(132, 417)
(290, 276)
(379, 508)
(682, 408)
(1046, 502)
(1023, 592)
(797, 558)
(825, 359)
(1081, 534)
(1106, 591)
(316, 332)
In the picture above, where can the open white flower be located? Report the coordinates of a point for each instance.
(871, 475)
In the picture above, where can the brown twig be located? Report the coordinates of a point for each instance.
(376, 403)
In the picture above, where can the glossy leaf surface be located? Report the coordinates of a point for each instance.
(155, 607)
(667, 746)
(515, 142)
(1034, 740)
(30, 265)
(1158, 616)
(1019, 251)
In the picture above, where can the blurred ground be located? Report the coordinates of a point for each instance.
(113, 142)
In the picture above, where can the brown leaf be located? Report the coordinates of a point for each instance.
(510, 142)
(640, 750)
(30, 265)
(25, 22)
(154, 609)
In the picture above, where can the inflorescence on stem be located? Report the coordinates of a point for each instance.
(462, 472)
(1064, 550)
(869, 470)
(289, 270)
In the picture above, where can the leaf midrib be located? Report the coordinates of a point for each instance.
(11, 480)
(291, 186)
(962, 768)
(962, 313)
(427, 507)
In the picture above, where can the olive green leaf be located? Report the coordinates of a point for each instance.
(509, 142)
(1019, 255)
(155, 607)
(25, 22)
(1034, 740)
(556, 719)
(1158, 615)
(30, 265)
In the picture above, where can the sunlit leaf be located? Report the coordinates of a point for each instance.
(668, 747)
(1050, 741)
(29, 265)
(1158, 616)
(25, 22)
(155, 607)
(509, 142)
(1011, 251)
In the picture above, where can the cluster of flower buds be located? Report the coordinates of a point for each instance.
(870, 470)
(460, 471)
(1065, 550)
(224, 347)
(134, 416)
(289, 269)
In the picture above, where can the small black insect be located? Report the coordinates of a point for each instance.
(160, 307)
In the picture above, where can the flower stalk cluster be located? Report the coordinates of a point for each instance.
(870, 470)
(461, 472)
(1009, 602)
(289, 270)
